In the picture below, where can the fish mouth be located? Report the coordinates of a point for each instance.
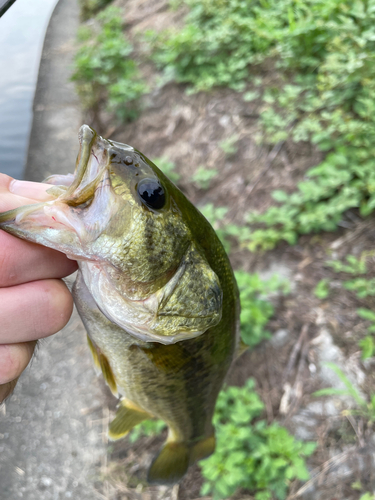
(83, 204)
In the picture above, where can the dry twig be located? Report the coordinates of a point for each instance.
(319, 472)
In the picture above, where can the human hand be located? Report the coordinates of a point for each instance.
(34, 301)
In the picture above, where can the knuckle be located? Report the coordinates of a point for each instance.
(56, 306)
(4, 180)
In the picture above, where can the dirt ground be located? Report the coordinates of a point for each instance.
(187, 129)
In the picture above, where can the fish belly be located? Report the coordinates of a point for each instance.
(165, 382)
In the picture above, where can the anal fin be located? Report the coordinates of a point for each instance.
(94, 352)
(127, 416)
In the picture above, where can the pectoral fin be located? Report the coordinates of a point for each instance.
(241, 349)
(191, 302)
(101, 361)
(168, 359)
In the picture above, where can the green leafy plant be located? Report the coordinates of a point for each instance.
(168, 168)
(203, 177)
(322, 289)
(226, 231)
(146, 428)
(216, 215)
(323, 52)
(91, 7)
(249, 453)
(367, 496)
(103, 69)
(256, 309)
(367, 344)
(363, 287)
(351, 266)
(228, 146)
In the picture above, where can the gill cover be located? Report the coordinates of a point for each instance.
(185, 307)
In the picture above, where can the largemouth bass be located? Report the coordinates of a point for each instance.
(155, 291)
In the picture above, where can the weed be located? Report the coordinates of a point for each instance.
(249, 453)
(251, 95)
(228, 146)
(322, 289)
(367, 496)
(168, 168)
(256, 310)
(91, 7)
(103, 69)
(225, 231)
(364, 409)
(324, 52)
(351, 266)
(367, 344)
(363, 287)
(203, 177)
(146, 428)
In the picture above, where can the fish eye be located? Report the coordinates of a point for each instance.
(152, 193)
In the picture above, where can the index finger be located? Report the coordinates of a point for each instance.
(20, 260)
(15, 193)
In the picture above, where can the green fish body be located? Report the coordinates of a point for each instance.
(155, 291)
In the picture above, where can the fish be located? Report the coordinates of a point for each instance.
(155, 291)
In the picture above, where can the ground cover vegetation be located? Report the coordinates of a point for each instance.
(324, 54)
(362, 285)
(104, 72)
(322, 93)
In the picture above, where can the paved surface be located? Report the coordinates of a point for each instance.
(53, 142)
(52, 431)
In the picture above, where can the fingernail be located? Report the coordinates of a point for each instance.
(28, 189)
(17, 187)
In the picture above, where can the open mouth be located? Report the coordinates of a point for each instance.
(80, 211)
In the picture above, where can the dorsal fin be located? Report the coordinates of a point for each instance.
(241, 348)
